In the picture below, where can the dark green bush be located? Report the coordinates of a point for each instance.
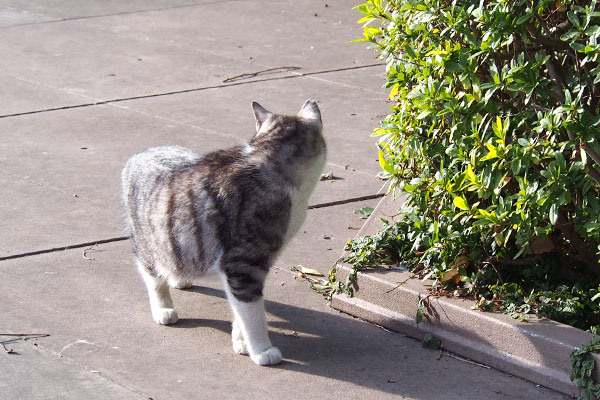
(493, 143)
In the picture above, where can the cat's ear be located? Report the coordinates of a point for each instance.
(310, 110)
(260, 114)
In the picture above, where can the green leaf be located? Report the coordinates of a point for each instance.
(319, 286)
(461, 203)
(490, 93)
(568, 98)
(409, 50)
(592, 30)
(419, 316)
(371, 31)
(429, 342)
(574, 19)
(569, 35)
(493, 152)
(497, 127)
(553, 214)
(483, 222)
(516, 165)
(423, 114)
(495, 74)
(385, 164)
(523, 18)
(471, 174)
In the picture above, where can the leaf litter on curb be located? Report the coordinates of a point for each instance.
(305, 270)
(365, 211)
(308, 274)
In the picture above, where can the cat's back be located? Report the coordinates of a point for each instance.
(146, 169)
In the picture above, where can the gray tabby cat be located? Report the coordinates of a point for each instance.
(230, 211)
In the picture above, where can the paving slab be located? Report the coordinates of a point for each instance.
(60, 57)
(174, 48)
(34, 373)
(37, 217)
(63, 173)
(21, 95)
(14, 12)
(269, 33)
(102, 323)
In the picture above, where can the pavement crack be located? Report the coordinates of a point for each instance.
(63, 248)
(199, 89)
(84, 17)
(123, 238)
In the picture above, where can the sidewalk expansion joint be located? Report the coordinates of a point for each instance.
(56, 249)
(123, 238)
(175, 92)
(83, 17)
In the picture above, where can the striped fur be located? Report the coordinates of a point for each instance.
(230, 211)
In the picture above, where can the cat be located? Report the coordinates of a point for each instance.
(228, 211)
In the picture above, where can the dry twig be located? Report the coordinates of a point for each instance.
(261, 72)
(19, 336)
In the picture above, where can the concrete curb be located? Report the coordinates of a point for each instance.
(537, 350)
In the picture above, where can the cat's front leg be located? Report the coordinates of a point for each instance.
(250, 329)
(237, 338)
(252, 324)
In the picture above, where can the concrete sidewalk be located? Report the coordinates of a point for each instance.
(87, 84)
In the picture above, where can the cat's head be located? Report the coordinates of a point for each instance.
(293, 141)
(309, 114)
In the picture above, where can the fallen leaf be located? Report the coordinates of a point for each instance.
(327, 177)
(366, 211)
(450, 275)
(429, 342)
(309, 271)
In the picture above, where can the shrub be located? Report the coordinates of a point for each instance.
(493, 143)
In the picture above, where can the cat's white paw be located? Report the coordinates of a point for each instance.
(270, 356)
(239, 346)
(165, 316)
(180, 284)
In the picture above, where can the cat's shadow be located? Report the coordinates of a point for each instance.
(318, 343)
(221, 325)
(293, 327)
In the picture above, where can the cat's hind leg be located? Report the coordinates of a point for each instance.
(250, 327)
(161, 303)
